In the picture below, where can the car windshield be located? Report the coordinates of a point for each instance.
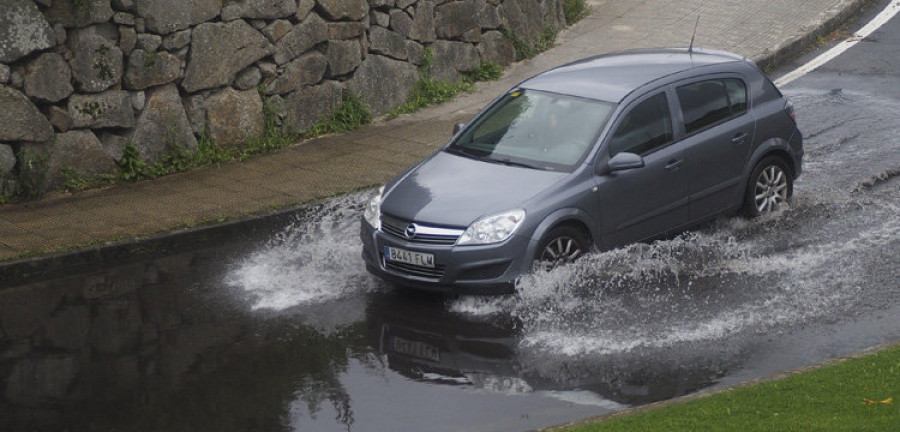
(535, 129)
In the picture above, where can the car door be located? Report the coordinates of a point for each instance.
(718, 134)
(641, 203)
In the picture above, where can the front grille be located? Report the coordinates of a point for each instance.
(414, 270)
(425, 234)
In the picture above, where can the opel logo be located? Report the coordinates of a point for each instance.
(411, 231)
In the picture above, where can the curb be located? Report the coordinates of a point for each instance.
(794, 48)
(711, 392)
(44, 267)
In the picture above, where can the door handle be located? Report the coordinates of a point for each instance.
(674, 164)
(739, 138)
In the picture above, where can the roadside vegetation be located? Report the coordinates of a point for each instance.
(29, 181)
(575, 10)
(861, 394)
(430, 91)
(351, 114)
(526, 50)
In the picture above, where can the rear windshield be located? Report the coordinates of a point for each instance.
(536, 130)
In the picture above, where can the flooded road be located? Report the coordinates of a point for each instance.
(289, 333)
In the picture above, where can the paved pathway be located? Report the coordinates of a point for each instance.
(327, 166)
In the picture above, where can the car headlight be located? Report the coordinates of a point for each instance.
(492, 229)
(372, 214)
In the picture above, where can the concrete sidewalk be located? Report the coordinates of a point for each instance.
(766, 31)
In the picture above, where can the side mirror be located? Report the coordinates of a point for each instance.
(625, 161)
(458, 127)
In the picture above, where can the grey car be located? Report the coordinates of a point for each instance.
(594, 154)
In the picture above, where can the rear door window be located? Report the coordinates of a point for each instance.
(703, 104)
(647, 127)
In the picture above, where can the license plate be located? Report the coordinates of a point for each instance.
(419, 259)
(416, 349)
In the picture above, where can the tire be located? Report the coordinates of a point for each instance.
(770, 185)
(561, 245)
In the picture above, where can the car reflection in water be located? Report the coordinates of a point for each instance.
(421, 340)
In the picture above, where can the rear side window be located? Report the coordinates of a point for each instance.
(768, 92)
(704, 104)
(645, 128)
(737, 95)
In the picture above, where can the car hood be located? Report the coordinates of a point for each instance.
(452, 190)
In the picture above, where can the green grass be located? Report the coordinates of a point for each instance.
(430, 91)
(487, 71)
(525, 49)
(833, 398)
(348, 117)
(575, 10)
(31, 175)
(427, 92)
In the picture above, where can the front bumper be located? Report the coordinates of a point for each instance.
(488, 269)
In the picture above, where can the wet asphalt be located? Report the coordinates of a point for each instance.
(284, 330)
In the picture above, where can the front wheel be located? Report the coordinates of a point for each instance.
(561, 245)
(770, 186)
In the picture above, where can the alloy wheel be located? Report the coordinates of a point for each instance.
(560, 250)
(771, 189)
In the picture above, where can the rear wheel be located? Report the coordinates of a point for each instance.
(561, 245)
(769, 187)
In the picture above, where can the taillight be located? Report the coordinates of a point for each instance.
(789, 109)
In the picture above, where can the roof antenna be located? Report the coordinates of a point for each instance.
(693, 36)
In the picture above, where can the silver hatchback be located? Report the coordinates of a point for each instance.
(591, 155)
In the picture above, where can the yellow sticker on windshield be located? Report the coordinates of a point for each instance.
(515, 93)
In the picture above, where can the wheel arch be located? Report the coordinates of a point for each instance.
(570, 217)
(772, 147)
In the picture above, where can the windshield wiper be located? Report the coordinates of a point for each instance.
(463, 152)
(506, 161)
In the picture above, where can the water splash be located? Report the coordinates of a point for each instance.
(313, 260)
(735, 278)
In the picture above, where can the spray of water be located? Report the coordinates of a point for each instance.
(315, 259)
(732, 279)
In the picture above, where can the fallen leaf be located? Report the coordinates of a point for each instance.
(887, 401)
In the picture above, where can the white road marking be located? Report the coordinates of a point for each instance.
(889, 12)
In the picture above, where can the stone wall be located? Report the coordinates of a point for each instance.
(80, 78)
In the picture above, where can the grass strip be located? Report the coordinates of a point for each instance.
(861, 394)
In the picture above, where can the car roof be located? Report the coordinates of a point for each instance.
(612, 77)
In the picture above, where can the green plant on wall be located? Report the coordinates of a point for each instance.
(430, 91)
(8, 186)
(575, 10)
(83, 6)
(32, 174)
(349, 116)
(487, 71)
(131, 167)
(526, 50)
(74, 181)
